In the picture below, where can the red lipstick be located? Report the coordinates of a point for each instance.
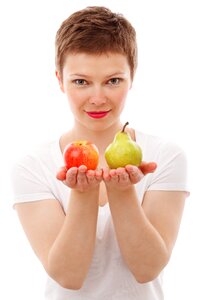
(97, 114)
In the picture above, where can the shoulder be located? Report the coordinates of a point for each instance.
(157, 148)
(42, 159)
(172, 167)
(33, 176)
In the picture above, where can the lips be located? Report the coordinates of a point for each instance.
(97, 114)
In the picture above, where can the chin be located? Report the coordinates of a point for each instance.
(98, 127)
(98, 124)
(102, 126)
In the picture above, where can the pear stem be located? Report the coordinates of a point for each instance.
(123, 129)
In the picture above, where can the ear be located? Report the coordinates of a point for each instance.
(59, 80)
(131, 84)
(131, 81)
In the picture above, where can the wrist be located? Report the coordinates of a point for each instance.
(85, 195)
(121, 190)
(122, 196)
(89, 191)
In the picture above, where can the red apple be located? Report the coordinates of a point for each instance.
(80, 153)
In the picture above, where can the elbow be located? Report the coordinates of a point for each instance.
(148, 274)
(150, 271)
(145, 278)
(66, 277)
(67, 282)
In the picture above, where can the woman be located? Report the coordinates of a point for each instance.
(100, 234)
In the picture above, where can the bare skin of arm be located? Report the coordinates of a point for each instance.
(146, 234)
(65, 243)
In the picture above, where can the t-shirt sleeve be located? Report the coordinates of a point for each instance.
(172, 171)
(29, 182)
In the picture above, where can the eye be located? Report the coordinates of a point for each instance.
(114, 81)
(80, 81)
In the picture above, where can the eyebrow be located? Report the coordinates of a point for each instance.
(78, 75)
(86, 76)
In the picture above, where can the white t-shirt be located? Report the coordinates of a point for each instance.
(34, 178)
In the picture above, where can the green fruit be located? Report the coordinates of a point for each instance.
(123, 151)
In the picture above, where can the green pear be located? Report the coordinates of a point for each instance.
(123, 151)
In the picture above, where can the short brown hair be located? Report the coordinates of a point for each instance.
(96, 30)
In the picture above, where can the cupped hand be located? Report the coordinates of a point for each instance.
(122, 178)
(80, 178)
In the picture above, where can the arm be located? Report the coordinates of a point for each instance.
(146, 234)
(64, 244)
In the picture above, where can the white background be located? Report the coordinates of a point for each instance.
(163, 102)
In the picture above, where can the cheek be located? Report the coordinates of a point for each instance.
(75, 98)
(120, 98)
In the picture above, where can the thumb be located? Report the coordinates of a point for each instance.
(61, 174)
(148, 167)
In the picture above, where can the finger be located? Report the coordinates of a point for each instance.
(82, 168)
(148, 167)
(106, 174)
(61, 174)
(90, 176)
(135, 174)
(123, 175)
(71, 177)
(98, 174)
(81, 176)
(114, 176)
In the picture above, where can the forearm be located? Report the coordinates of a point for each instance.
(70, 256)
(141, 245)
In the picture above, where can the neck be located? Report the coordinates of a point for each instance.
(100, 137)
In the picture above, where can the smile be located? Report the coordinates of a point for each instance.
(98, 114)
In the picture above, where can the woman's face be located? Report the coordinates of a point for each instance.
(96, 87)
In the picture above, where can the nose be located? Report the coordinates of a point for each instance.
(97, 96)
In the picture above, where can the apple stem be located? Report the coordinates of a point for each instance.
(123, 129)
